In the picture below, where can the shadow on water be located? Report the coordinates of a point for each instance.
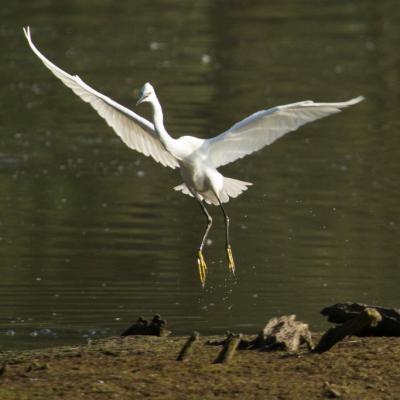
(91, 234)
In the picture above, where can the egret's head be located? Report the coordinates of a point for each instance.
(146, 93)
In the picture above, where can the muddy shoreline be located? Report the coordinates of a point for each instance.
(146, 366)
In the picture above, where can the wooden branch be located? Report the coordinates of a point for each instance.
(342, 312)
(228, 350)
(187, 348)
(368, 318)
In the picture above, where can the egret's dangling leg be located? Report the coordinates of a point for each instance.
(200, 260)
(231, 262)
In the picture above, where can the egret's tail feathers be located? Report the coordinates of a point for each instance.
(232, 188)
(184, 189)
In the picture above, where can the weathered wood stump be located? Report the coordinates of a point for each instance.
(157, 327)
(283, 333)
(342, 312)
(187, 348)
(229, 347)
(369, 318)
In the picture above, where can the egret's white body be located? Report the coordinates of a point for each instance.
(197, 159)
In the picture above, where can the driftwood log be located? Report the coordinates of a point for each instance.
(342, 312)
(157, 327)
(369, 318)
(283, 333)
(187, 348)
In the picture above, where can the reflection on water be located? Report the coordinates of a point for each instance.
(91, 234)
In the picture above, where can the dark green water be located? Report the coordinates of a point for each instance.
(92, 234)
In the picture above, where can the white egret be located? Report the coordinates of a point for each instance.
(197, 159)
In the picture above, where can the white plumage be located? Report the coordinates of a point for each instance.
(197, 159)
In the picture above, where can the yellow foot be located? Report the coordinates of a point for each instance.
(231, 261)
(202, 268)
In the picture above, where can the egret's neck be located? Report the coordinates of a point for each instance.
(158, 120)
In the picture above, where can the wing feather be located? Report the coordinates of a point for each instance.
(264, 127)
(135, 131)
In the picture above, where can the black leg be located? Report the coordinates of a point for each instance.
(231, 262)
(226, 218)
(200, 259)
(209, 224)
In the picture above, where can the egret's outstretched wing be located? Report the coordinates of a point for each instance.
(264, 127)
(134, 130)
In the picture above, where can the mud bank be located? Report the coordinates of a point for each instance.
(146, 367)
